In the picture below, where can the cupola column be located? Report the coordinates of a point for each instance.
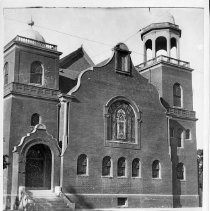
(153, 48)
(168, 45)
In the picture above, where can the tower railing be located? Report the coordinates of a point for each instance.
(163, 58)
(34, 42)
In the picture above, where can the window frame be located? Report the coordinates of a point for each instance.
(183, 172)
(175, 96)
(86, 168)
(139, 169)
(110, 169)
(6, 73)
(125, 168)
(41, 75)
(190, 136)
(159, 170)
(33, 116)
(108, 141)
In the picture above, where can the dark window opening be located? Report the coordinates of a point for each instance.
(177, 95)
(82, 165)
(121, 167)
(35, 119)
(106, 166)
(187, 134)
(6, 69)
(180, 171)
(135, 168)
(156, 169)
(122, 202)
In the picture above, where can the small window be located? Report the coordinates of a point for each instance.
(177, 95)
(82, 165)
(180, 171)
(187, 134)
(180, 141)
(121, 167)
(36, 73)
(156, 169)
(106, 166)
(136, 168)
(6, 70)
(35, 119)
(122, 202)
(172, 132)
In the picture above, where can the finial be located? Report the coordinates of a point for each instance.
(31, 22)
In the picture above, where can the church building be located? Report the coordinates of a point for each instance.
(85, 136)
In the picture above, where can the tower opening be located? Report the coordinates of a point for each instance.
(161, 46)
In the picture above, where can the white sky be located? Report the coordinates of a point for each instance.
(112, 26)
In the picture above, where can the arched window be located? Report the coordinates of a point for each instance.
(121, 165)
(171, 132)
(36, 73)
(177, 95)
(173, 48)
(106, 166)
(35, 119)
(187, 134)
(122, 122)
(136, 168)
(6, 70)
(180, 171)
(180, 138)
(82, 165)
(156, 169)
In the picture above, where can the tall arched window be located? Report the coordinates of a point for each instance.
(6, 70)
(35, 119)
(177, 95)
(180, 171)
(106, 166)
(156, 169)
(121, 167)
(36, 73)
(82, 165)
(136, 168)
(122, 122)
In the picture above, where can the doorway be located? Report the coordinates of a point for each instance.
(38, 167)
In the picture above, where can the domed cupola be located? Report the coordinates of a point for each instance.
(161, 37)
(32, 34)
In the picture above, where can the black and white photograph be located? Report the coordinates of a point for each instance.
(104, 108)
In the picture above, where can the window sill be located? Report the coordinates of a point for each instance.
(136, 177)
(109, 177)
(122, 142)
(182, 180)
(156, 178)
(123, 177)
(82, 175)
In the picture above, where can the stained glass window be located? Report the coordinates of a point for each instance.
(122, 122)
(82, 164)
(106, 166)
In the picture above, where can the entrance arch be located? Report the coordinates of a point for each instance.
(38, 167)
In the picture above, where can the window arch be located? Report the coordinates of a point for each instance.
(35, 119)
(6, 73)
(121, 167)
(122, 121)
(156, 169)
(187, 134)
(36, 72)
(177, 95)
(180, 171)
(106, 166)
(136, 168)
(82, 165)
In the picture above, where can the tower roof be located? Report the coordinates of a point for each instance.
(32, 34)
(165, 17)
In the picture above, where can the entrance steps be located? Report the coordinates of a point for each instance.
(48, 201)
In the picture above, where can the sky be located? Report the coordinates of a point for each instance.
(100, 29)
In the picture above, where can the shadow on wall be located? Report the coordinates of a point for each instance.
(80, 201)
(176, 184)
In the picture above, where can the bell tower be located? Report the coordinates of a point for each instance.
(172, 78)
